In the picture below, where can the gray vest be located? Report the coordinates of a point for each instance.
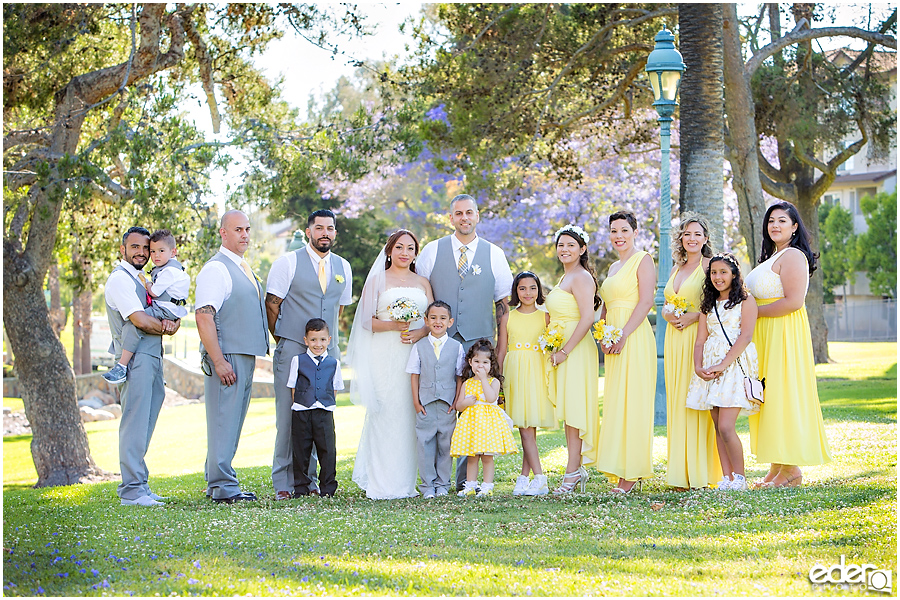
(315, 383)
(149, 343)
(471, 298)
(154, 273)
(241, 322)
(305, 301)
(437, 377)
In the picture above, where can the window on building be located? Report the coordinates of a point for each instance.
(866, 191)
(831, 199)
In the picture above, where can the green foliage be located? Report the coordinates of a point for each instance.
(515, 80)
(877, 248)
(837, 245)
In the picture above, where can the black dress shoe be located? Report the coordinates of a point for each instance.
(240, 497)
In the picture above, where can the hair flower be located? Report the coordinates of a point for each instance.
(571, 228)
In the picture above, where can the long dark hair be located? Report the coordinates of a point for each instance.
(710, 294)
(799, 240)
(583, 260)
(483, 345)
(392, 241)
(514, 294)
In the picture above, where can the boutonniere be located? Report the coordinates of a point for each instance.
(339, 278)
(476, 270)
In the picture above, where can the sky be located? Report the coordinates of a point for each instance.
(307, 69)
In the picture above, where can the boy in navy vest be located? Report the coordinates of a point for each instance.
(435, 367)
(314, 378)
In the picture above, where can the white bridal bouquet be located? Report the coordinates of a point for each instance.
(405, 310)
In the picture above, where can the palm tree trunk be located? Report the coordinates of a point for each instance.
(702, 114)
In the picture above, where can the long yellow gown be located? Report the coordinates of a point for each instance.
(574, 384)
(788, 430)
(693, 459)
(626, 431)
(525, 372)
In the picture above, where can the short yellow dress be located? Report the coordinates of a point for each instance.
(483, 428)
(693, 461)
(626, 430)
(525, 372)
(574, 384)
(788, 430)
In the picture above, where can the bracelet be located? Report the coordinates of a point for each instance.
(563, 351)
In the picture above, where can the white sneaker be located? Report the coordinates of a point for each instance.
(538, 486)
(441, 492)
(522, 483)
(724, 485)
(487, 489)
(156, 497)
(739, 483)
(470, 489)
(428, 495)
(142, 501)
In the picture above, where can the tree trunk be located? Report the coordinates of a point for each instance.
(742, 139)
(815, 299)
(702, 110)
(76, 334)
(59, 444)
(57, 313)
(81, 308)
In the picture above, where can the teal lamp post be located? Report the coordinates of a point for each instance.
(298, 241)
(664, 67)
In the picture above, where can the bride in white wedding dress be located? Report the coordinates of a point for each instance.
(386, 465)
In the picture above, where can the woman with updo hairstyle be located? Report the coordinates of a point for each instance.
(693, 460)
(575, 367)
(788, 431)
(626, 433)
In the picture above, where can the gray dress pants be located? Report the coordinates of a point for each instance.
(434, 431)
(282, 461)
(226, 408)
(142, 397)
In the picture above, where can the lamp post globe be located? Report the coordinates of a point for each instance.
(664, 68)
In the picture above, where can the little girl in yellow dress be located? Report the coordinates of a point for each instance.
(483, 429)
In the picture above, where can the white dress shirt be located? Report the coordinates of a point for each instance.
(175, 281)
(337, 382)
(283, 269)
(414, 364)
(120, 293)
(214, 281)
(503, 277)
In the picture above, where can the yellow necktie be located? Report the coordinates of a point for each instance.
(142, 278)
(437, 349)
(463, 265)
(249, 274)
(322, 283)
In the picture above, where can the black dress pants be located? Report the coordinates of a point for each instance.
(310, 428)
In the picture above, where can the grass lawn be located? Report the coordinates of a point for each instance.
(78, 540)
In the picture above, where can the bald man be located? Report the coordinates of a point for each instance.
(231, 321)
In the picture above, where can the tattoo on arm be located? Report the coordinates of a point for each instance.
(502, 309)
(206, 310)
(273, 299)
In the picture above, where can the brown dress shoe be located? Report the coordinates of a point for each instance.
(282, 495)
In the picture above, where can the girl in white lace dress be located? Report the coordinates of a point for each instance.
(723, 356)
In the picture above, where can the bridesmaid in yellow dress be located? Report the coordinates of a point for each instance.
(574, 386)
(525, 377)
(626, 432)
(788, 431)
(693, 461)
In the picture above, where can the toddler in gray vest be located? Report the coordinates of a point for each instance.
(435, 366)
(167, 292)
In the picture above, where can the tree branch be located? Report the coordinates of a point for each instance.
(617, 95)
(40, 137)
(785, 191)
(804, 35)
(767, 169)
(204, 62)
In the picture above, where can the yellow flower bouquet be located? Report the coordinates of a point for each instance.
(677, 305)
(606, 334)
(552, 339)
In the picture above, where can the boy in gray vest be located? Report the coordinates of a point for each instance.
(435, 366)
(167, 292)
(314, 377)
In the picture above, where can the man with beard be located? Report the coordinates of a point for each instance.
(142, 392)
(308, 283)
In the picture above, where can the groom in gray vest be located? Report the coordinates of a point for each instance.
(309, 283)
(231, 322)
(142, 393)
(472, 276)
